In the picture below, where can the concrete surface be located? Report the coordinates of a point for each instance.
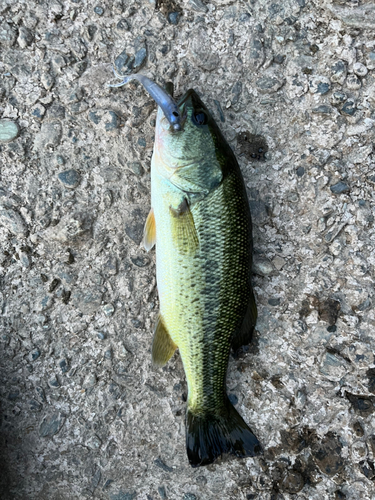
(292, 85)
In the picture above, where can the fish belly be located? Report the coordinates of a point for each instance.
(204, 293)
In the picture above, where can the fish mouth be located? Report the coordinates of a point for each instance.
(192, 100)
(191, 93)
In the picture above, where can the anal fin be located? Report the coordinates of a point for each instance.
(184, 233)
(244, 334)
(163, 346)
(149, 232)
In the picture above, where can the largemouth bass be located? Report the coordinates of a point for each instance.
(201, 225)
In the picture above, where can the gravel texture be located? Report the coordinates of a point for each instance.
(292, 85)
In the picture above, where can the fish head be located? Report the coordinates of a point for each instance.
(196, 151)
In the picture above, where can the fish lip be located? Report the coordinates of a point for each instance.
(187, 94)
(183, 113)
(191, 93)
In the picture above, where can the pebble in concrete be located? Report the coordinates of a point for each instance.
(13, 221)
(339, 188)
(9, 130)
(353, 82)
(69, 178)
(338, 72)
(319, 85)
(51, 425)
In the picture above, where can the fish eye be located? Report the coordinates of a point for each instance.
(200, 118)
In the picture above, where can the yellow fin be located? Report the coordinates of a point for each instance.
(149, 232)
(163, 346)
(184, 232)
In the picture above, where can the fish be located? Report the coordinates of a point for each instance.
(200, 224)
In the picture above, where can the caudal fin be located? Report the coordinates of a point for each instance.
(210, 435)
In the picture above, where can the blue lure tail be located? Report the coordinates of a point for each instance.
(125, 79)
(210, 435)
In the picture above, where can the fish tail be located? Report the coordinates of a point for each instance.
(210, 435)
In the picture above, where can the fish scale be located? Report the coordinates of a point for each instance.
(201, 225)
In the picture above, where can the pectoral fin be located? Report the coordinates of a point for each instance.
(245, 333)
(163, 346)
(184, 233)
(149, 232)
